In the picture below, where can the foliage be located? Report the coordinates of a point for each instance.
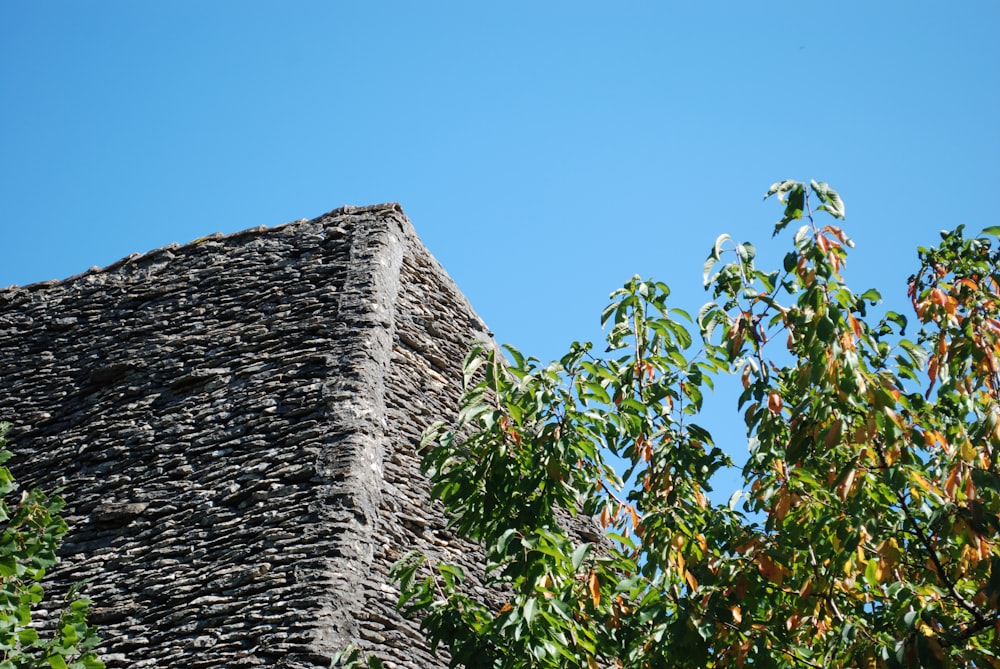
(31, 533)
(867, 532)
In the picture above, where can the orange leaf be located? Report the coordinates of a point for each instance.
(595, 589)
(932, 437)
(942, 345)
(605, 517)
(951, 306)
(635, 516)
(855, 325)
(774, 402)
(737, 614)
(951, 484)
(926, 485)
(702, 542)
(837, 232)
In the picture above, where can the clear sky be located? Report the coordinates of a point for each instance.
(545, 151)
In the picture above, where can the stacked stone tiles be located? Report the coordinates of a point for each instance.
(233, 423)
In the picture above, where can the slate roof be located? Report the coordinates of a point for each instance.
(233, 424)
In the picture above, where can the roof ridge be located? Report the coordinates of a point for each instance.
(344, 210)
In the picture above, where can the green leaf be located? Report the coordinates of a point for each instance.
(27, 636)
(8, 566)
(898, 319)
(578, 555)
(529, 610)
(918, 354)
(871, 295)
(779, 188)
(706, 274)
(993, 230)
(626, 543)
(452, 574)
(871, 572)
(713, 258)
(832, 204)
(515, 354)
(473, 361)
(792, 194)
(90, 661)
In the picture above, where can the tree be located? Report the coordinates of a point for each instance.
(867, 532)
(31, 533)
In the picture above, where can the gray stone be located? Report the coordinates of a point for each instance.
(233, 423)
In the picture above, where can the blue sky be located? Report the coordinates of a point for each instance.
(545, 151)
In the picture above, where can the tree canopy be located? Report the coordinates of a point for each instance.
(866, 532)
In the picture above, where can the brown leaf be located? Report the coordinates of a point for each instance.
(806, 589)
(844, 489)
(784, 503)
(770, 570)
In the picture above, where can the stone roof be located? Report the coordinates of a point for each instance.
(233, 423)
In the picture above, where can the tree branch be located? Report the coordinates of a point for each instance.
(925, 540)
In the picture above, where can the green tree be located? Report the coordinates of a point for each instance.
(867, 532)
(32, 530)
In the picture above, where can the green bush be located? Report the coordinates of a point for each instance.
(32, 530)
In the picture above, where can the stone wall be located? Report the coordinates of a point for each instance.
(234, 422)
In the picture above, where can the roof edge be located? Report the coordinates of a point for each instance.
(216, 236)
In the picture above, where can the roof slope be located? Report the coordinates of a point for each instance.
(233, 422)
